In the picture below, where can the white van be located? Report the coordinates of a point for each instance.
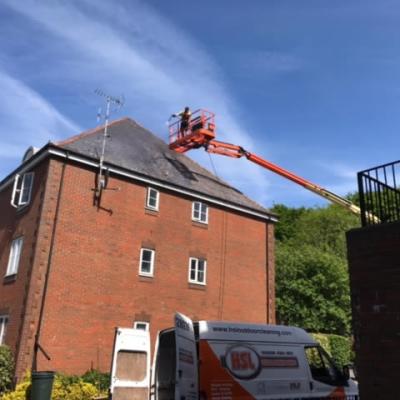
(223, 360)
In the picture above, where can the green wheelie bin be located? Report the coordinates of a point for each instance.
(42, 385)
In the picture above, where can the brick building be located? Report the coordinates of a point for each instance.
(374, 254)
(167, 235)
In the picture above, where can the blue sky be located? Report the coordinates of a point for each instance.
(311, 85)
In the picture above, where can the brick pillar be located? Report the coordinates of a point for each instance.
(271, 274)
(373, 255)
(34, 289)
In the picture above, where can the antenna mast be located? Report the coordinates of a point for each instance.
(102, 177)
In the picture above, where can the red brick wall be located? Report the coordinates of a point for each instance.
(374, 255)
(94, 284)
(20, 297)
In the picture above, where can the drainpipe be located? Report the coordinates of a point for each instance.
(37, 345)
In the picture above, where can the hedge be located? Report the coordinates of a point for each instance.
(67, 387)
(6, 369)
(338, 347)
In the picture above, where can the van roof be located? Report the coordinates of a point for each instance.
(217, 330)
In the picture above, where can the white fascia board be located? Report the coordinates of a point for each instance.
(27, 167)
(121, 172)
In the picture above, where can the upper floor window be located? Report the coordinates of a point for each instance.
(21, 194)
(15, 254)
(146, 266)
(153, 196)
(3, 327)
(200, 212)
(141, 325)
(197, 271)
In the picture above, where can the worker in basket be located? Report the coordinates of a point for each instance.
(185, 115)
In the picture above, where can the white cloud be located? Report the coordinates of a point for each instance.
(28, 111)
(338, 169)
(342, 178)
(27, 119)
(132, 49)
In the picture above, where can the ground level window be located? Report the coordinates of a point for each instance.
(3, 327)
(141, 325)
(197, 270)
(146, 266)
(200, 212)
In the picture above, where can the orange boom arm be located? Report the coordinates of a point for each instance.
(201, 133)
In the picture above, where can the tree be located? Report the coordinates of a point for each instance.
(288, 217)
(312, 290)
(325, 229)
(312, 285)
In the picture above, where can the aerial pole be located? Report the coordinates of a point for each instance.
(102, 175)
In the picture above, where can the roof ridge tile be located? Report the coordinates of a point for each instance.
(90, 132)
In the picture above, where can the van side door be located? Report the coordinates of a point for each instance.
(130, 369)
(186, 374)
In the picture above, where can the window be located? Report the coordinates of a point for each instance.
(3, 327)
(21, 194)
(197, 271)
(200, 212)
(141, 325)
(15, 254)
(152, 198)
(322, 368)
(146, 262)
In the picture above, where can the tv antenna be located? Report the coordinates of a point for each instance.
(113, 104)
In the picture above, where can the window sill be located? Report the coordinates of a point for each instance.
(203, 225)
(22, 209)
(146, 278)
(9, 278)
(197, 286)
(151, 211)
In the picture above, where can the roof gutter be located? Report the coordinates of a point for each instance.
(49, 150)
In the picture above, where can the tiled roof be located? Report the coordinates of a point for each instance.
(136, 149)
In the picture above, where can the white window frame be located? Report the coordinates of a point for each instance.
(196, 279)
(151, 190)
(22, 190)
(200, 212)
(15, 256)
(3, 327)
(153, 253)
(138, 324)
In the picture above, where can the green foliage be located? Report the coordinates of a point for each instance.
(323, 340)
(65, 387)
(312, 290)
(73, 389)
(325, 228)
(100, 380)
(6, 368)
(286, 228)
(341, 349)
(312, 286)
(21, 392)
(338, 347)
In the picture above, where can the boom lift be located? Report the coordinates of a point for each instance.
(201, 133)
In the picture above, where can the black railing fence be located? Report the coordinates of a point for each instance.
(380, 194)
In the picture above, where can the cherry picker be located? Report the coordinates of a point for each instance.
(201, 134)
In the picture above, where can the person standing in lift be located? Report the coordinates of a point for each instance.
(185, 115)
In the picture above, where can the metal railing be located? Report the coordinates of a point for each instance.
(199, 119)
(380, 194)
